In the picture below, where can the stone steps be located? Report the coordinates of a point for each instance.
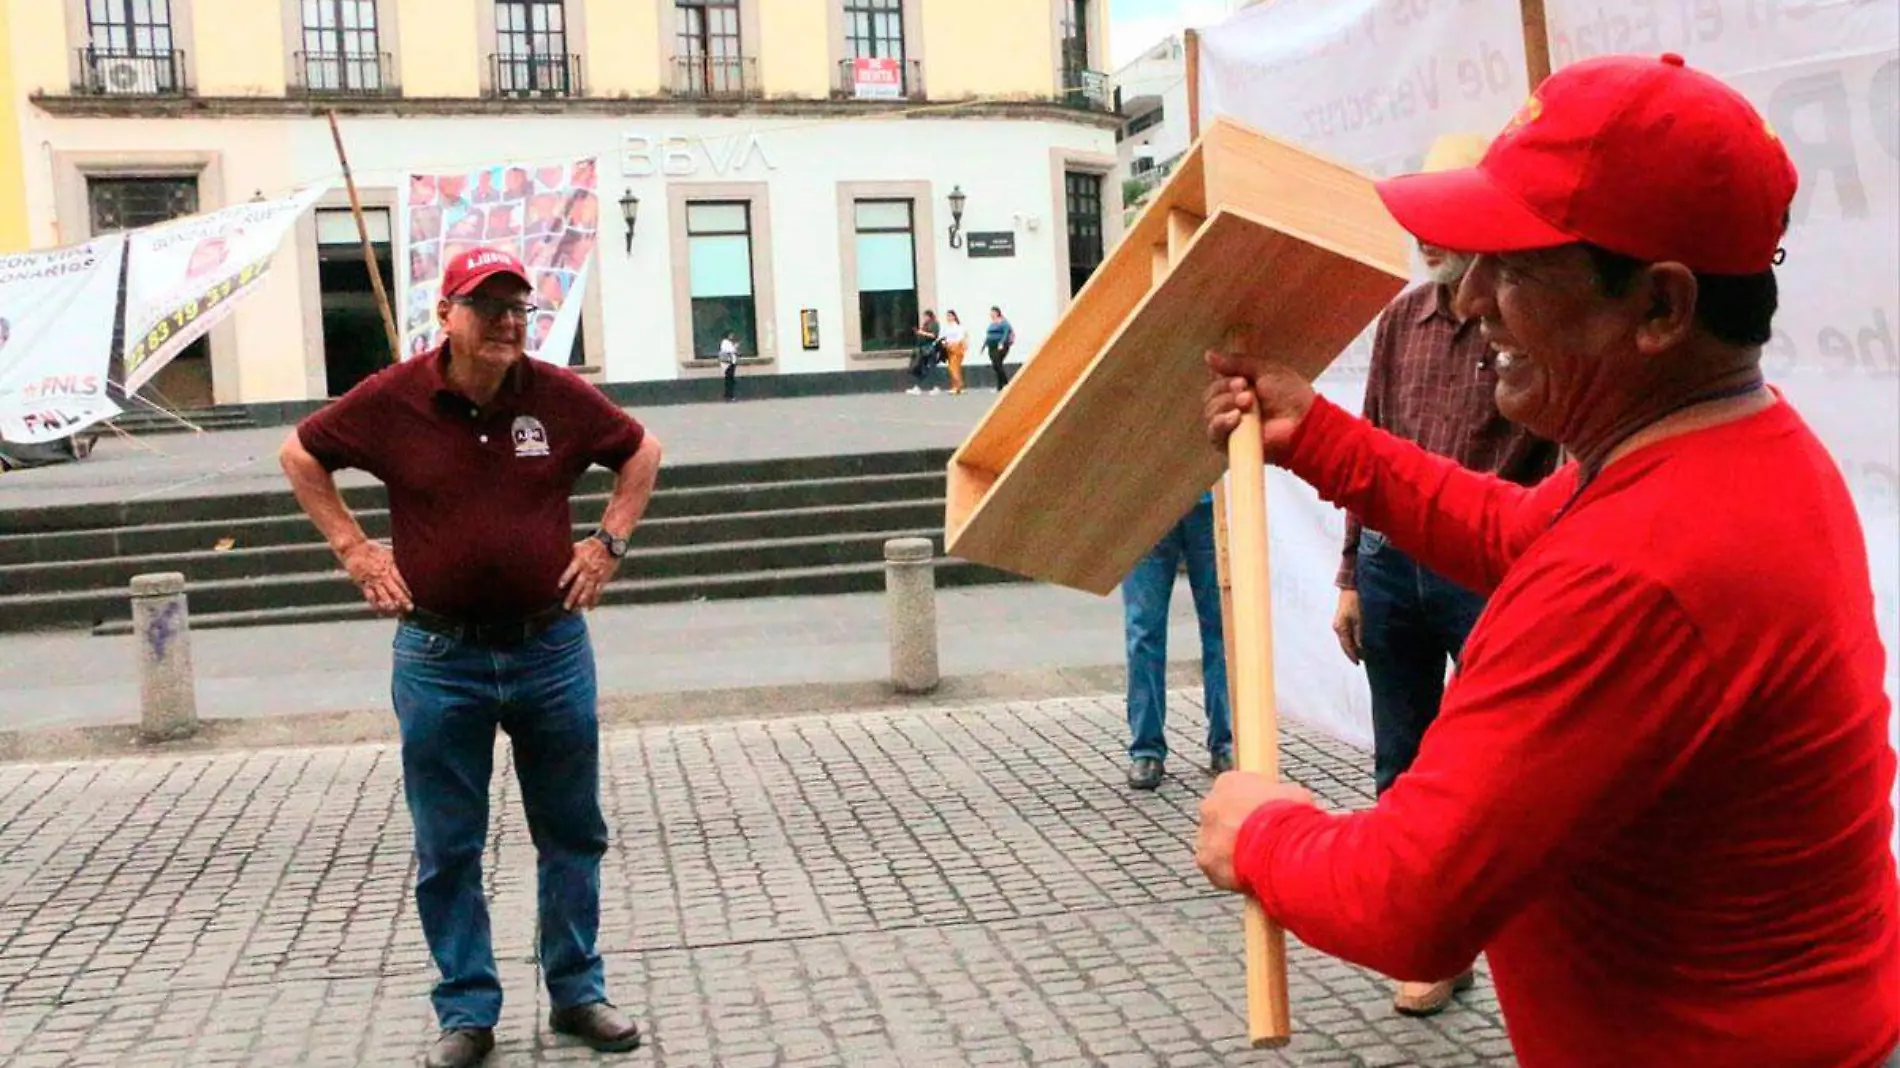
(714, 531)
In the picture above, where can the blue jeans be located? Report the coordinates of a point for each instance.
(450, 696)
(1413, 621)
(1145, 596)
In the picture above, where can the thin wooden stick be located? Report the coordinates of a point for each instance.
(1247, 634)
(1536, 42)
(369, 251)
(1256, 720)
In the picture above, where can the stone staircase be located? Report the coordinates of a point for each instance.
(714, 531)
(138, 420)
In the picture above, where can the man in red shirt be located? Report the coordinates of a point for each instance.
(480, 448)
(1657, 794)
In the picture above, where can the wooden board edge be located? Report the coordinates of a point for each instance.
(1403, 273)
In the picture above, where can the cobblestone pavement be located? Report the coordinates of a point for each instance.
(965, 887)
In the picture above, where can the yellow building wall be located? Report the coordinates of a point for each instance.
(442, 52)
(40, 54)
(237, 47)
(13, 224)
(623, 56)
(795, 48)
(989, 48)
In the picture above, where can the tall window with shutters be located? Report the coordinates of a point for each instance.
(340, 52)
(531, 48)
(708, 54)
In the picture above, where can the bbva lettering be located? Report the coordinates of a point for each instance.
(677, 157)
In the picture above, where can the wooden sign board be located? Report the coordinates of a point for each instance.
(1097, 447)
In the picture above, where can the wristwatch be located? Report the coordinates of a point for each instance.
(616, 547)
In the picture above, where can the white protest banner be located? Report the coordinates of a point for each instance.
(185, 276)
(547, 216)
(56, 314)
(1371, 82)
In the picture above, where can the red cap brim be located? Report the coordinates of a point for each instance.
(484, 274)
(1465, 211)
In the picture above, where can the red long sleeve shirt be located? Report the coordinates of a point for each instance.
(1657, 793)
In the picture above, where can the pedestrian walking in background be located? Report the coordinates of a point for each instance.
(1146, 594)
(1432, 381)
(480, 448)
(729, 359)
(924, 356)
(955, 343)
(998, 338)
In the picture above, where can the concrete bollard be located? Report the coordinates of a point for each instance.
(168, 696)
(910, 589)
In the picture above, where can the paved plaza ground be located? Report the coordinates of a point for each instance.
(940, 886)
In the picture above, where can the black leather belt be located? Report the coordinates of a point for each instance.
(509, 632)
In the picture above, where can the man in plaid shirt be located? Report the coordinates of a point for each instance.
(1431, 381)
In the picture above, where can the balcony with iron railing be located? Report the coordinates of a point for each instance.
(716, 77)
(112, 73)
(332, 74)
(1086, 89)
(534, 74)
(906, 82)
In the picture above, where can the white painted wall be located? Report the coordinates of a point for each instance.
(1005, 167)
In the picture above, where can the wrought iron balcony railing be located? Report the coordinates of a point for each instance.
(535, 75)
(115, 73)
(333, 74)
(716, 77)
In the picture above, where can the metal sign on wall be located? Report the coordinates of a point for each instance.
(992, 244)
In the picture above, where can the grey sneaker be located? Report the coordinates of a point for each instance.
(1144, 774)
(1220, 764)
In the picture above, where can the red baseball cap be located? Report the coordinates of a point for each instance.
(1637, 154)
(476, 266)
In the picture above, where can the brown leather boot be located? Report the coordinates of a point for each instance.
(461, 1047)
(601, 1026)
(1430, 999)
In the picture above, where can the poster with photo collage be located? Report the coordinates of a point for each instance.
(548, 215)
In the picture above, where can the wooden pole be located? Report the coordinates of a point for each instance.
(1536, 42)
(1191, 45)
(1246, 633)
(369, 252)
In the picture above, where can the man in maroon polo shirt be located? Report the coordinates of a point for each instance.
(1656, 797)
(480, 448)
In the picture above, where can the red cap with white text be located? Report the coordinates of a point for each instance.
(476, 266)
(1637, 154)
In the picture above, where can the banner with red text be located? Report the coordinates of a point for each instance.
(546, 215)
(186, 275)
(57, 309)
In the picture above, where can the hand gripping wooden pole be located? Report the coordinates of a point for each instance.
(1249, 655)
(1246, 632)
(1256, 720)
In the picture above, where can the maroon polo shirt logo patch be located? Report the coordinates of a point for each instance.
(531, 438)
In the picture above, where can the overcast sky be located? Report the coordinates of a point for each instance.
(1136, 24)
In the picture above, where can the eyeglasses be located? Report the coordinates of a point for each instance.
(490, 308)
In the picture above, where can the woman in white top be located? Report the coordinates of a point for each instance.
(955, 344)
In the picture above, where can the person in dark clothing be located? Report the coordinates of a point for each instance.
(997, 341)
(929, 335)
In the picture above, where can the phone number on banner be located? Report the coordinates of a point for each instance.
(190, 311)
